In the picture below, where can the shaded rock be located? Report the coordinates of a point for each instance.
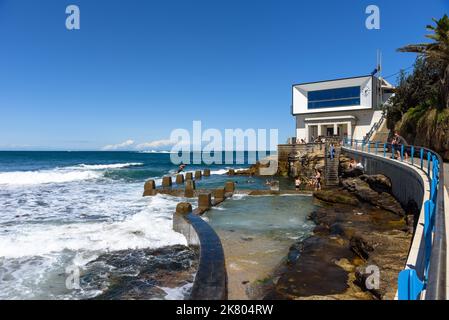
(389, 255)
(315, 272)
(340, 196)
(351, 172)
(363, 192)
(377, 182)
(412, 215)
(337, 229)
(333, 263)
(294, 253)
(360, 247)
(141, 273)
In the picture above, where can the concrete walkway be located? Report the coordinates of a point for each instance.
(446, 209)
(446, 175)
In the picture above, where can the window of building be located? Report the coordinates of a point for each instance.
(340, 97)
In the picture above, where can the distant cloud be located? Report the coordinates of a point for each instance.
(157, 144)
(119, 146)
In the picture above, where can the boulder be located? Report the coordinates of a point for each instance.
(360, 247)
(363, 192)
(351, 172)
(377, 182)
(341, 196)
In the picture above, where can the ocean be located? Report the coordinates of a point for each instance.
(62, 209)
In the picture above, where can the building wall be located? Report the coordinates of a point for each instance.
(365, 119)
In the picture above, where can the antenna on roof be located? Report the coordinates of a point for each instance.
(379, 78)
(379, 64)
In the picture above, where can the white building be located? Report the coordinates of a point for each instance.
(347, 107)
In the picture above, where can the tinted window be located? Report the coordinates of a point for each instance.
(340, 97)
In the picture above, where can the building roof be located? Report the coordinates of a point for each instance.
(331, 80)
(385, 83)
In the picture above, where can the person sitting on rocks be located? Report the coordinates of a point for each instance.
(354, 169)
(352, 164)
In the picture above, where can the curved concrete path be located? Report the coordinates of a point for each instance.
(446, 208)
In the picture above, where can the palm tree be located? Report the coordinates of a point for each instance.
(436, 52)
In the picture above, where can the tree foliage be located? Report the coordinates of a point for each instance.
(431, 73)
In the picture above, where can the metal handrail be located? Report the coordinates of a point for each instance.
(374, 128)
(410, 286)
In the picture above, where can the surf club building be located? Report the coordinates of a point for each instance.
(347, 107)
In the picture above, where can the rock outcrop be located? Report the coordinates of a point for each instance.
(360, 228)
(363, 191)
(140, 274)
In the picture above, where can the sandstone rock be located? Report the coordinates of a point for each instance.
(363, 192)
(253, 170)
(389, 255)
(332, 264)
(314, 273)
(351, 172)
(340, 196)
(377, 182)
(360, 247)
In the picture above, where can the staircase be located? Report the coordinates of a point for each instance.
(331, 167)
(374, 129)
(382, 134)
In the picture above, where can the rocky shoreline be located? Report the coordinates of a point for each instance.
(360, 228)
(142, 274)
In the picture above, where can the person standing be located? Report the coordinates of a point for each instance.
(332, 151)
(317, 180)
(400, 141)
(297, 183)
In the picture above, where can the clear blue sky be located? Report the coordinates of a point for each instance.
(138, 69)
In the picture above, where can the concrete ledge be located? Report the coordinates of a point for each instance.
(211, 278)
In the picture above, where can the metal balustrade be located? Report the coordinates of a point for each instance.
(433, 282)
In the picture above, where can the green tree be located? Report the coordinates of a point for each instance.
(437, 55)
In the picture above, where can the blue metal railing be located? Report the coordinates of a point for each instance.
(410, 285)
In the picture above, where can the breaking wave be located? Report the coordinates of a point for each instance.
(60, 175)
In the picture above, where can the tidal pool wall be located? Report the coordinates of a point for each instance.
(211, 278)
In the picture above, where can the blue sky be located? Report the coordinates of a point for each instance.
(139, 69)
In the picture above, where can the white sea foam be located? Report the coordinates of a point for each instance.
(219, 172)
(177, 293)
(45, 176)
(156, 151)
(239, 196)
(50, 226)
(110, 166)
(149, 228)
(60, 175)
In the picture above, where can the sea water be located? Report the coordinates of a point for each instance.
(64, 209)
(256, 233)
